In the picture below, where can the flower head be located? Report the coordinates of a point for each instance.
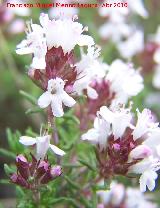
(42, 145)
(29, 174)
(123, 148)
(63, 32)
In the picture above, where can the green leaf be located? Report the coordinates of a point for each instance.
(64, 199)
(85, 202)
(33, 110)
(94, 199)
(10, 139)
(73, 184)
(20, 191)
(30, 132)
(4, 181)
(29, 97)
(87, 164)
(8, 170)
(68, 165)
(73, 118)
(7, 153)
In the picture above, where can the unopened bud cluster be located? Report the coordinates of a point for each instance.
(35, 173)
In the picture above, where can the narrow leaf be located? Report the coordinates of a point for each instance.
(29, 97)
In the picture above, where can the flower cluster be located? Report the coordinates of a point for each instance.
(124, 148)
(118, 83)
(156, 57)
(118, 197)
(35, 173)
(11, 17)
(120, 30)
(53, 66)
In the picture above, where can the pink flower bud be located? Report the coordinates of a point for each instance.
(116, 147)
(22, 166)
(19, 180)
(56, 171)
(42, 168)
(140, 152)
(21, 158)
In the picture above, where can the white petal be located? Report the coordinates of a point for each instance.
(106, 114)
(67, 100)
(57, 150)
(44, 100)
(26, 50)
(42, 146)
(25, 140)
(91, 135)
(157, 56)
(37, 28)
(38, 63)
(56, 105)
(85, 40)
(92, 93)
(142, 182)
(156, 77)
(148, 179)
(44, 19)
(139, 8)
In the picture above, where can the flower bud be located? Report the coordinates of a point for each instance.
(42, 168)
(22, 166)
(140, 152)
(19, 180)
(56, 171)
(51, 174)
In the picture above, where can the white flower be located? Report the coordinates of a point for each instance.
(115, 28)
(153, 141)
(66, 33)
(56, 96)
(42, 144)
(98, 134)
(156, 77)
(114, 196)
(55, 12)
(147, 179)
(62, 32)
(144, 124)
(116, 15)
(138, 8)
(147, 168)
(89, 69)
(157, 56)
(127, 49)
(119, 119)
(156, 38)
(23, 11)
(35, 44)
(115, 31)
(125, 81)
(17, 26)
(136, 199)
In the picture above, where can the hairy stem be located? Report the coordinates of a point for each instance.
(52, 123)
(36, 197)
